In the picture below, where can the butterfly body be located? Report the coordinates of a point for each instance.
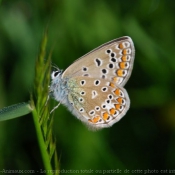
(92, 87)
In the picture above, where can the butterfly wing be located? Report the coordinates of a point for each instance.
(94, 83)
(112, 61)
(97, 102)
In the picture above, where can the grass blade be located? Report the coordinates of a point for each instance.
(14, 111)
(41, 114)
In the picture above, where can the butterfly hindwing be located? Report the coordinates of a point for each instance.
(97, 102)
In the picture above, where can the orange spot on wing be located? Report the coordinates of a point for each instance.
(124, 51)
(117, 92)
(117, 106)
(112, 111)
(120, 100)
(120, 72)
(122, 65)
(112, 85)
(114, 79)
(105, 116)
(120, 46)
(96, 119)
(124, 58)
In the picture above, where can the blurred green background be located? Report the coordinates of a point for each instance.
(145, 138)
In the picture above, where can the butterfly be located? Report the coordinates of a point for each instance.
(92, 88)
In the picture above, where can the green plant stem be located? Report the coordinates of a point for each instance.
(41, 142)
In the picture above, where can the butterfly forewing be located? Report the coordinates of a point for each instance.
(112, 61)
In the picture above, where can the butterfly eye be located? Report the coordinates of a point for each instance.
(55, 74)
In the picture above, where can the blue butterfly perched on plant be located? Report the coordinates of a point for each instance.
(93, 86)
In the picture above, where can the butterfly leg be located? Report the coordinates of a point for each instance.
(55, 107)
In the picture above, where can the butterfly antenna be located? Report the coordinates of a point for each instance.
(54, 66)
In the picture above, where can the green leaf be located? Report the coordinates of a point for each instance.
(14, 111)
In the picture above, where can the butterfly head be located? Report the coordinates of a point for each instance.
(56, 74)
(57, 85)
